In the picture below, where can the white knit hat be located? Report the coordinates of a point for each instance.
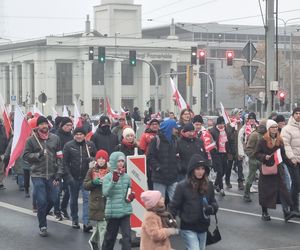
(271, 123)
(128, 131)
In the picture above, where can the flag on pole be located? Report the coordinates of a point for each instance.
(65, 111)
(110, 111)
(54, 113)
(177, 96)
(77, 117)
(5, 115)
(277, 156)
(224, 114)
(22, 131)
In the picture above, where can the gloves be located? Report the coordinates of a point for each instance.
(130, 197)
(209, 210)
(96, 181)
(116, 176)
(172, 231)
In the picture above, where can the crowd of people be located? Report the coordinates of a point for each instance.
(62, 161)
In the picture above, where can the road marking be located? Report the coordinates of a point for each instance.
(281, 248)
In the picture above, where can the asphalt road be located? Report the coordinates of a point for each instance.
(239, 222)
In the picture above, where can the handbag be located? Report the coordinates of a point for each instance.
(214, 236)
(269, 170)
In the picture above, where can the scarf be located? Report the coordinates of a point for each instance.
(207, 139)
(167, 219)
(128, 144)
(222, 140)
(43, 136)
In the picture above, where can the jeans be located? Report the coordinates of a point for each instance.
(45, 194)
(26, 180)
(75, 187)
(112, 229)
(62, 205)
(20, 182)
(193, 240)
(295, 176)
(170, 189)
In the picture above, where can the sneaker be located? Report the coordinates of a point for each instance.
(93, 245)
(288, 215)
(75, 225)
(65, 214)
(253, 190)
(241, 185)
(265, 217)
(87, 228)
(222, 192)
(58, 217)
(247, 198)
(228, 184)
(2, 187)
(51, 213)
(43, 232)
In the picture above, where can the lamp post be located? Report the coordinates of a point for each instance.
(116, 34)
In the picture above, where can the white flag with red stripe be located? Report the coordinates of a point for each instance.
(77, 117)
(177, 96)
(54, 113)
(110, 111)
(224, 114)
(21, 132)
(4, 114)
(277, 156)
(65, 111)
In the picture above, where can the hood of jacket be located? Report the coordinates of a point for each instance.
(114, 158)
(195, 161)
(166, 128)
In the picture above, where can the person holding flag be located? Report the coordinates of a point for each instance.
(270, 151)
(43, 152)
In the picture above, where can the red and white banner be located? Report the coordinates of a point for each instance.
(277, 156)
(224, 114)
(77, 117)
(110, 111)
(22, 131)
(177, 96)
(136, 169)
(5, 115)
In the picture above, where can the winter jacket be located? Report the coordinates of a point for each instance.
(115, 192)
(96, 198)
(106, 141)
(46, 165)
(127, 150)
(232, 133)
(190, 204)
(118, 131)
(163, 160)
(188, 147)
(145, 139)
(64, 137)
(291, 138)
(153, 235)
(3, 139)
(253, 140)
(76, 160)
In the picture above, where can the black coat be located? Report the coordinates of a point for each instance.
(76, 160)
(3, 139)
(64, 137)
(188, 147)
(163, 160)
(127, 150)
(215, 134)
(105, 141)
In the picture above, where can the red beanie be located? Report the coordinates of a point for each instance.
(103, 154)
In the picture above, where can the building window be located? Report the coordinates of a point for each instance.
(127, 74)
(19, 83)
(127, 103)
(32, 83)
(7, 83)
(64, 90)
(98, 73)
(152, 76)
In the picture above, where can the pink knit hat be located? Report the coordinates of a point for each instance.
(150, 198)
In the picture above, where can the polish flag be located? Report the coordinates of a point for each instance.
(4, 114)
(177, 96)
(77, 117)
(110, 111)
(277, 156)
(123, 112)
(224, 114)
(65, 111)
(54, 113)
(22, 131)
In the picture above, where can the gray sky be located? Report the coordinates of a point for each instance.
(21, 20)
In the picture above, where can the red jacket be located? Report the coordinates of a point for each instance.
(145, 139)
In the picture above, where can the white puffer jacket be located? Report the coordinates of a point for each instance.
(291, 138)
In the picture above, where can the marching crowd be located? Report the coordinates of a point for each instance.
(63, 161)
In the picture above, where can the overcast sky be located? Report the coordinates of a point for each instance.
(20, 20)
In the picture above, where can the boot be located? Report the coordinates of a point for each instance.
(241, 185)
(247, 198)
(288, 215)
(265, 216)
(228, 184)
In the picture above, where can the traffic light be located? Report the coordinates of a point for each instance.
(281, 98)
(194, 55)
(229, 56)
(101, 54)
(194, 100)
(201, 57)
(91, 53)
(132, 57)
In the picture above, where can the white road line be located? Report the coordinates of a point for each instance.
(281, 248)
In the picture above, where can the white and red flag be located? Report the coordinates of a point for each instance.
(65, 112)
(110, 111)
(5, 115)
(177, 96)
(22, 131)
(54, 113)
(277, 156)
(224, 114)
(77, 117)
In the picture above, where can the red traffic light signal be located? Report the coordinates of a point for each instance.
(229, 57)
(281, 95)
(201, 55)
(281, 98)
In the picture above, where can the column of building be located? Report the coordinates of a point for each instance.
(87, 87)
(143, 87)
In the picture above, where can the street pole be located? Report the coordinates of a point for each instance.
(291, 73)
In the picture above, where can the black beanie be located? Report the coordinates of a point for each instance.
(297, 109)
(252, 115)
(188, 127)
(220, 120)
(65, 120)
(79, 130)
(280, 118)
(57, 120)
(104, 120)
(41, 119)
(198, 118)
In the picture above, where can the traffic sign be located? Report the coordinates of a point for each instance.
(42, 98)
(249, 72)
(13, 98)
(249, 51)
